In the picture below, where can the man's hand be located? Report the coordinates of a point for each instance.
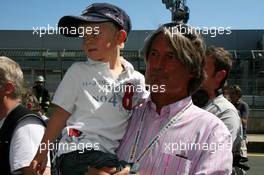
(39, 163)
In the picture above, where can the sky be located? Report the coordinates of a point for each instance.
(145, 14)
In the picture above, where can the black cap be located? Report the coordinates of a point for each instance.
(97, 12)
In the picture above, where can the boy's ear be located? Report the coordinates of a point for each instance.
(122, 36)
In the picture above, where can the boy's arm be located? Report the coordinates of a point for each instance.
(55, 125)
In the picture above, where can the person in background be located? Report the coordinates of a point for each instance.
(30, 101)
(217, 67)
(235, 94)
(42, 94)
(20, 129)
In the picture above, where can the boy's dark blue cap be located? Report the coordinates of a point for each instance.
(97, 12)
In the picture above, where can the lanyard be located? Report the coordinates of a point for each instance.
(166, 127)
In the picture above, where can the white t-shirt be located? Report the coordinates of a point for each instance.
(94, 99)
(24, 144)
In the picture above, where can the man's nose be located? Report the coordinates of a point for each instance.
(160, 63)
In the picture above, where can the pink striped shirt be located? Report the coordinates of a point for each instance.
(198, 143)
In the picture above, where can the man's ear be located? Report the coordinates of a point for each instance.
(220, 75)
(9, 88)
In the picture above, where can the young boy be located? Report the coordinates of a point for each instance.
(95, 97)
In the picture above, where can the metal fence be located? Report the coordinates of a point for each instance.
(247, 70)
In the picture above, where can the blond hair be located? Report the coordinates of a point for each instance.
(111, 26)
(11, 71)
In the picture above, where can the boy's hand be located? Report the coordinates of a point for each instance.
(107, 171)
(124, 171)
(39, 163)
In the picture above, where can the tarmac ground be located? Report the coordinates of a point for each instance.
(255, 143)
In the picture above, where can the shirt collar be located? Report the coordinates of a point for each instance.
(93, 62)
(127, 65)
(214, 99)
(171, 109)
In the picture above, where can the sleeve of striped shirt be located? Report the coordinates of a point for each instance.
(217, 159)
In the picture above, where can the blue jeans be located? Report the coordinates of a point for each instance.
(75, 163)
